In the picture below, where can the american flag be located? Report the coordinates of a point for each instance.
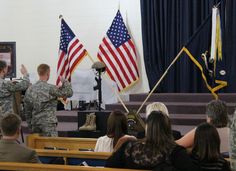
(71, 52)
(117, 51)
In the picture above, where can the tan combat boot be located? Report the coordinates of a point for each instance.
(92, 123)
(87, 122)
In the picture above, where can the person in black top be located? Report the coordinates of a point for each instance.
(206, 149)
(158, 151)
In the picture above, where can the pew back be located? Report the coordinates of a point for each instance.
(36, 142)
(52, 167)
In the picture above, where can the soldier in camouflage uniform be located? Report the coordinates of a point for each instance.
(233, 142)
(40, 103)
(8, 88)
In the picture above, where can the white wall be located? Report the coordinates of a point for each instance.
(35, 27)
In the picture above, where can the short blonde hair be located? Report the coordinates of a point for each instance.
(43, 69)
(156, 106)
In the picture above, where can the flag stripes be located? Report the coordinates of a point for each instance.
(120, 62)
(71, 53)
(117, 51)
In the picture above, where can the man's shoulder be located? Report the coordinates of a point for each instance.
(15, 147)
(22, 149)
(41, 85)
(105, 137)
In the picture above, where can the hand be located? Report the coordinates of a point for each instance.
(62, 79)
(23, 70)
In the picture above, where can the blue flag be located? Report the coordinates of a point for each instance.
(198, 49)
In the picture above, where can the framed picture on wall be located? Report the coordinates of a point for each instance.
(8, 54)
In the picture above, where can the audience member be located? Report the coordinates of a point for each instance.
(10, 150)
(206, 149)
(40, 103)
(158, 151)
(117, 129)
(158, 106)
(217, 115)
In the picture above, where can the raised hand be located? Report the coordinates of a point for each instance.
(23, 70)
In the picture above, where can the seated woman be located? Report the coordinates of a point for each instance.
(217, 115)
(158, 106)
(117, 129)
(157, 151)
(206, 149)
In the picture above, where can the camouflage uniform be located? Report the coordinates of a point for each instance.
(233, 143)
(40, 104)
(7, 90)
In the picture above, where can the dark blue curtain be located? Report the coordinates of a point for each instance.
(230, 44)
(167, 25)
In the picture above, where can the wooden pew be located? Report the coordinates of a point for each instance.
(71, 154)
(52, 167)
(73, 157)
(37, 142)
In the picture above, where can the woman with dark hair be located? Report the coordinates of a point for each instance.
(157, 151)
(217, 115)
(206, 149)
(155, 106)
(117, 129)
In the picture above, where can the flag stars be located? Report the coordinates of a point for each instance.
(118, 32)
(66, 36)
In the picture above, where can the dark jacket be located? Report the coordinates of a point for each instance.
(218, 165)
(137, 155)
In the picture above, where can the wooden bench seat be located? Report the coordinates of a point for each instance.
(70, 150)
(72, 157)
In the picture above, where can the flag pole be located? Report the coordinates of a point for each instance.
(159, 81)
(218, 4)
(90, 57)
(119, 5)
(64, 102)
(117, 95)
